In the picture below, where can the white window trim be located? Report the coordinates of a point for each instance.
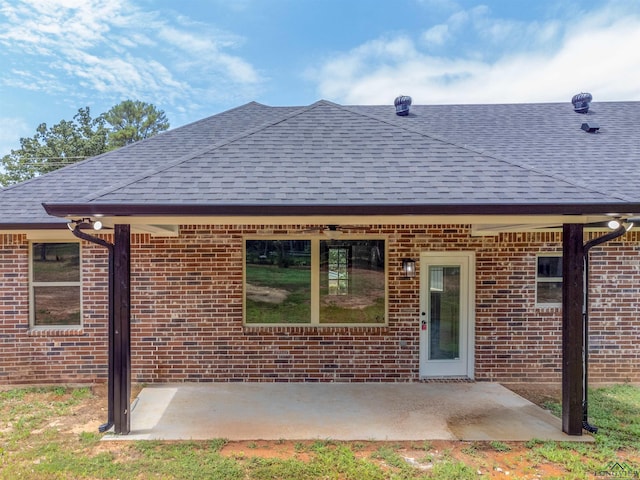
(315, 281)
(33, 284)
(546, 280)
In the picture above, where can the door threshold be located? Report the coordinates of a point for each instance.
(461, 379)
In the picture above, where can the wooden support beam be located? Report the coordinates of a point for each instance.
(122, 336)
(572, 327)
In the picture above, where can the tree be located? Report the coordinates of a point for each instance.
(133, 120)
(71, 141)
(54, 147)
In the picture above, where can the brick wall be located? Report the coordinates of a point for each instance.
(50, 356)
(187, 314)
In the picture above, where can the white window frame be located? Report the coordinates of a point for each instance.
(33, 284)
(547, 279)
(315, 280)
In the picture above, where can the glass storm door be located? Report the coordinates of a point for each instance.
(446, 315)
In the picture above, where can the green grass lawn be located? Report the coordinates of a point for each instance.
(40, 439)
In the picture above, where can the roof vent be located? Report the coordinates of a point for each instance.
(581, 102)
(590, 127)
(402, 103)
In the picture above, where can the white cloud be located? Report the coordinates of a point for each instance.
(509, 62)
(476, 34)
(116, 50)
(206, 49)
(436, 35)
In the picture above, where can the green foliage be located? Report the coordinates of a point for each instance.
(452, 470)
(500, 446)
(68, 142)
(533, 442)
(616, 412)
(553, 407)
(426, 446)
(217, 444)
(88, 439)
(471, 449)
(268, 469)
(55, 147)
(390, 457)
(329, 461)
(133, 120)
(79, 394)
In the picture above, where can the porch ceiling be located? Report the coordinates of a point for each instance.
(481, 225)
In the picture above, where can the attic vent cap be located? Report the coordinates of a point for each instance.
(402, 103)
(590, 127)
(581, 102)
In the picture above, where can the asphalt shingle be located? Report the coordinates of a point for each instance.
(327, 154)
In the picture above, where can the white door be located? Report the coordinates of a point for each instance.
(447, 297)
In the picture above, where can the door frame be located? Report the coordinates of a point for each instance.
(430, 258)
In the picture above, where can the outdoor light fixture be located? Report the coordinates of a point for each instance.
(615, 224)
(96, 225)
(408, 267)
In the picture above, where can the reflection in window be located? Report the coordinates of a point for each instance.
(278, 281)
(338, 276)
(444, 315)
(352, 281)
(55, 284)
(549, 280)
(315, 281)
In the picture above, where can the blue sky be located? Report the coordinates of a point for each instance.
(194, 58)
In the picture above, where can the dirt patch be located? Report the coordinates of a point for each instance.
(88, 415)
(486, 461)
(259, 293)
(538, 393)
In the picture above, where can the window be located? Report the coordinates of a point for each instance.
(315, 281)
(55, 284)
(278, 281)
(549, 280)
(352, 281)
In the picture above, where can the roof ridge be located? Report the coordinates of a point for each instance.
(485, 153)
(153, 171)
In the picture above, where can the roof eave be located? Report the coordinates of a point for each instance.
(186, 210)
(18, 226)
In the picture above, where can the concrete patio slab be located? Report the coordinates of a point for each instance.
(339, 411)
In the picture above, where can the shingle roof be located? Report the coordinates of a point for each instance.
(326, 154)
(545, 136)
(22, 203)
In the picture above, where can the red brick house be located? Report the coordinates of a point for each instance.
(333, 243)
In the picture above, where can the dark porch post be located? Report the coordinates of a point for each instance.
(572, 327)
(122, 314)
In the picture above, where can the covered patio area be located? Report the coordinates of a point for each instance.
(339, 411)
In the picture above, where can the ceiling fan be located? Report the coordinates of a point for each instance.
(333, 231)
